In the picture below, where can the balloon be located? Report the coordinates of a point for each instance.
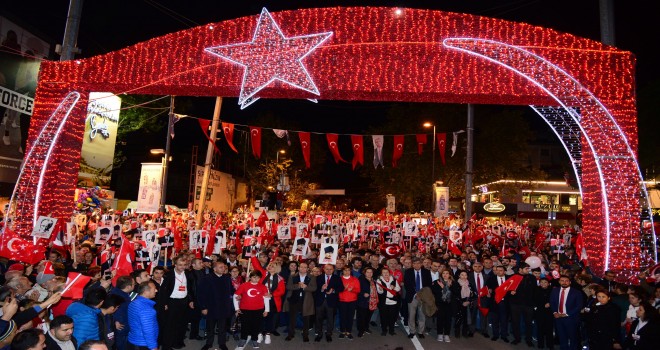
(533, 261)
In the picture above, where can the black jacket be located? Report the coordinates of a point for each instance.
(52, 345)
(215, 295)
(409, 282)
(603, 326)
(167, 287)
(525, 292)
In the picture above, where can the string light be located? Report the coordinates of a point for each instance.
(271, 56)
(374, 55)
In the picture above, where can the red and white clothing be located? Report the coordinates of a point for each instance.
(352, 283)
(253, 297)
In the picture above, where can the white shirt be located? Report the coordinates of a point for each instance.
(435, 276)
(500, 280)
(179, 281)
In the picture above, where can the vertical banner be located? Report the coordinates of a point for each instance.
(98, 149)
(391, 204)
(149, 192)
(441, 196)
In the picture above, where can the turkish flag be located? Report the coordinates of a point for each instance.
(125, 258)
(483, 292)
(16, 248)
(421, 141)
(580, 249)
(58, 238)
(334, 148)
(255, 139)
(305, 144)
(358, 150)
(398, 149)
(508, 285)
(204, 124)
(442, 145)
(210, 243)
(178, 240)
(228, 130)
(75, 283)
(453, 247)
(237, 241)
(261, 220)
(48, 269)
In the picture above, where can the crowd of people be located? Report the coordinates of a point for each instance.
(377, 285)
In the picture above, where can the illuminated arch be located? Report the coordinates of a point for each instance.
(607, 143)
(376, 54)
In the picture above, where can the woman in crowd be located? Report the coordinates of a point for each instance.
(442, 291)
(276, 286)
(645, 330)
(347, 302)
(388, 300)
(463, 296)
(367, 300)
(631, 314)
(602, 320)
(252, 304)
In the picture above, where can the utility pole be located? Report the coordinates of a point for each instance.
(468, 162)
(207, 163)
(606, 9)
(166, 156)
(70, 42)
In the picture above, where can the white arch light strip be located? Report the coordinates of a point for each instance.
(461, 44)
(574, 161)
(31, 159)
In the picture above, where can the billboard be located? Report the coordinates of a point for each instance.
(98, 149)
(151, 179)
(20, 56)
(221, 191)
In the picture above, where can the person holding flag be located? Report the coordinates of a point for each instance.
(498, 312)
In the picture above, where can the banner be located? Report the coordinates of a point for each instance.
(151, 178)
(20, 56)
(391, 203)
(98, 149)
(220, 193)
(441, 198)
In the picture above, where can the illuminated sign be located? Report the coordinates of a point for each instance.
(494, 207)
(552, 207)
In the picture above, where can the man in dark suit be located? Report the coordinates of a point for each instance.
(498, 312)
(478, 280)
(521, 304)
(176, 296)
(215, 302)
(566, 303)
(326, 299)
(414, 280)
(300, 288)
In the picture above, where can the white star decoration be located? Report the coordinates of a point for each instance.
(271, 56)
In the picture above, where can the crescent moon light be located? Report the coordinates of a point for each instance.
(442, 142)
(333, 144)
(399, 146)
(9, 244)
(304, 144)
(356, 146)
(249, 292)
(255, 132)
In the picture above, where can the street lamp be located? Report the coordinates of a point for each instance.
(428, 125)
(277, 159)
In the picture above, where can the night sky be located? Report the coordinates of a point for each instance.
(110, 25)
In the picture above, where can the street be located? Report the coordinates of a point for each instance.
(372, 341)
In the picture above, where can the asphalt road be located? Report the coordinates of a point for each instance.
(372, 341)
